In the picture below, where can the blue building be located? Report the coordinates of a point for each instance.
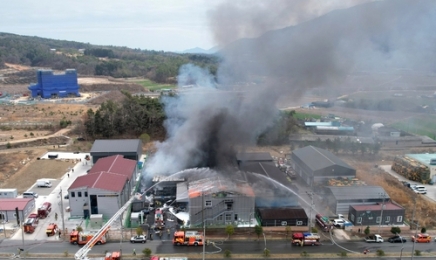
(55, 85)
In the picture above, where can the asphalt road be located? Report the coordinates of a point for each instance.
(236, 247)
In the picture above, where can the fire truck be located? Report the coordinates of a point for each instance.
(51, 229)
(81, 238)
(188, 238)
(323, 222)
(44, 210)
(305, 239)
(83, 251)
(31, 223)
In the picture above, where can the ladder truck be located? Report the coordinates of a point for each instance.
(83, 252)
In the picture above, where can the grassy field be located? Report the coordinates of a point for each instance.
(152, 86)
(302, 116)
(423, 125)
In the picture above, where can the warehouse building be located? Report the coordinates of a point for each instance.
(105, 189)
(55, 85)
(288, 216)
(128, 148)
(371, 214)
(7, 208)
(339, 199)
(315, 165)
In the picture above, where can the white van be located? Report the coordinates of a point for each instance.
(30, 194)
(420, 189)
(43, 183)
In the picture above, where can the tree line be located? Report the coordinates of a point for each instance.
(112, 61)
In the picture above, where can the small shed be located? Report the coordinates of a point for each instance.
(289, 216)
(96, 221)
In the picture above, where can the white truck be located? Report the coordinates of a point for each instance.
(374, 239)
(43, 183)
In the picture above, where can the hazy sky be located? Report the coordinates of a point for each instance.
(170, 25)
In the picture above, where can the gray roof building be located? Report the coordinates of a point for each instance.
(128, 148)
(253, 157)
(316, 165)
(340, 198)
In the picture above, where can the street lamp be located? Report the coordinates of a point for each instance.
(402, 246)
(414, 242)
(311, 208)
(62, 214)
(383, 196)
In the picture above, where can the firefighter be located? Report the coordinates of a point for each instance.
(56, 216)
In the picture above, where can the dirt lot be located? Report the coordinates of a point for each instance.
(25, 169)
(21, 134)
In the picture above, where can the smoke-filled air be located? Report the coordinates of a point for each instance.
(299, 45)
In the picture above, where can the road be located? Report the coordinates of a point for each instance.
(236, 247)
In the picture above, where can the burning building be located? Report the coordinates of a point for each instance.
(219, 201)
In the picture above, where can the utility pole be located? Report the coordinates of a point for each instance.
(204, 224)
(311, 209)
(414, 242)
(383, 195)
(62, 215)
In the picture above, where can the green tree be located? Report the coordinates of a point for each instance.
(230, 230)
(146, 252)
(145, 138)
(423, 230)
(258, 230)
(8, 145)
(288, 231)
(367, 230)
(395, 230)
(266, 252)
(139, 231)
(227, 253)
(79, 229)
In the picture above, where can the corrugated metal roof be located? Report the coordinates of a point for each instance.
(358, 192)
(117, 145)
(12, 203)
(316, 158)
(388, 206)
(115, 164)
(100, 180)
(282, 213)
(318, 124)
(253, 157)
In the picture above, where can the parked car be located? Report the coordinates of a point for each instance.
(420, 189)
(138, 239)
(67, 196)
(397, 239)
(421, 238)
(339, 223)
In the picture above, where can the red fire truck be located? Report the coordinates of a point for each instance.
(31, 223)
(188, 238)
(323, 222)
(44, 210)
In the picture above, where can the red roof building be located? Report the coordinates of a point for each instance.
(106, 187)
(7, 208)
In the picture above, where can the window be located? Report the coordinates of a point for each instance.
(220, 217)
(236, 217)
(73, 194)
(79, 194)
(299, 223)
(86, 194)
(378, 219)
(208, 203)
(359, 220)
(229, 206)
(388, 219)
(228, 217)
(352, 217)
(400, 219)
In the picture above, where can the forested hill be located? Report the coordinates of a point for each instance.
(91, 59)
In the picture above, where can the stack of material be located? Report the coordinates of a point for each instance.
(411, 169)
(346, 182)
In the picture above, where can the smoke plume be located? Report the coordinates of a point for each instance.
(206, 123)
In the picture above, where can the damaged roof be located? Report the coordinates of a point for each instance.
(265, 168)
(216, 185)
